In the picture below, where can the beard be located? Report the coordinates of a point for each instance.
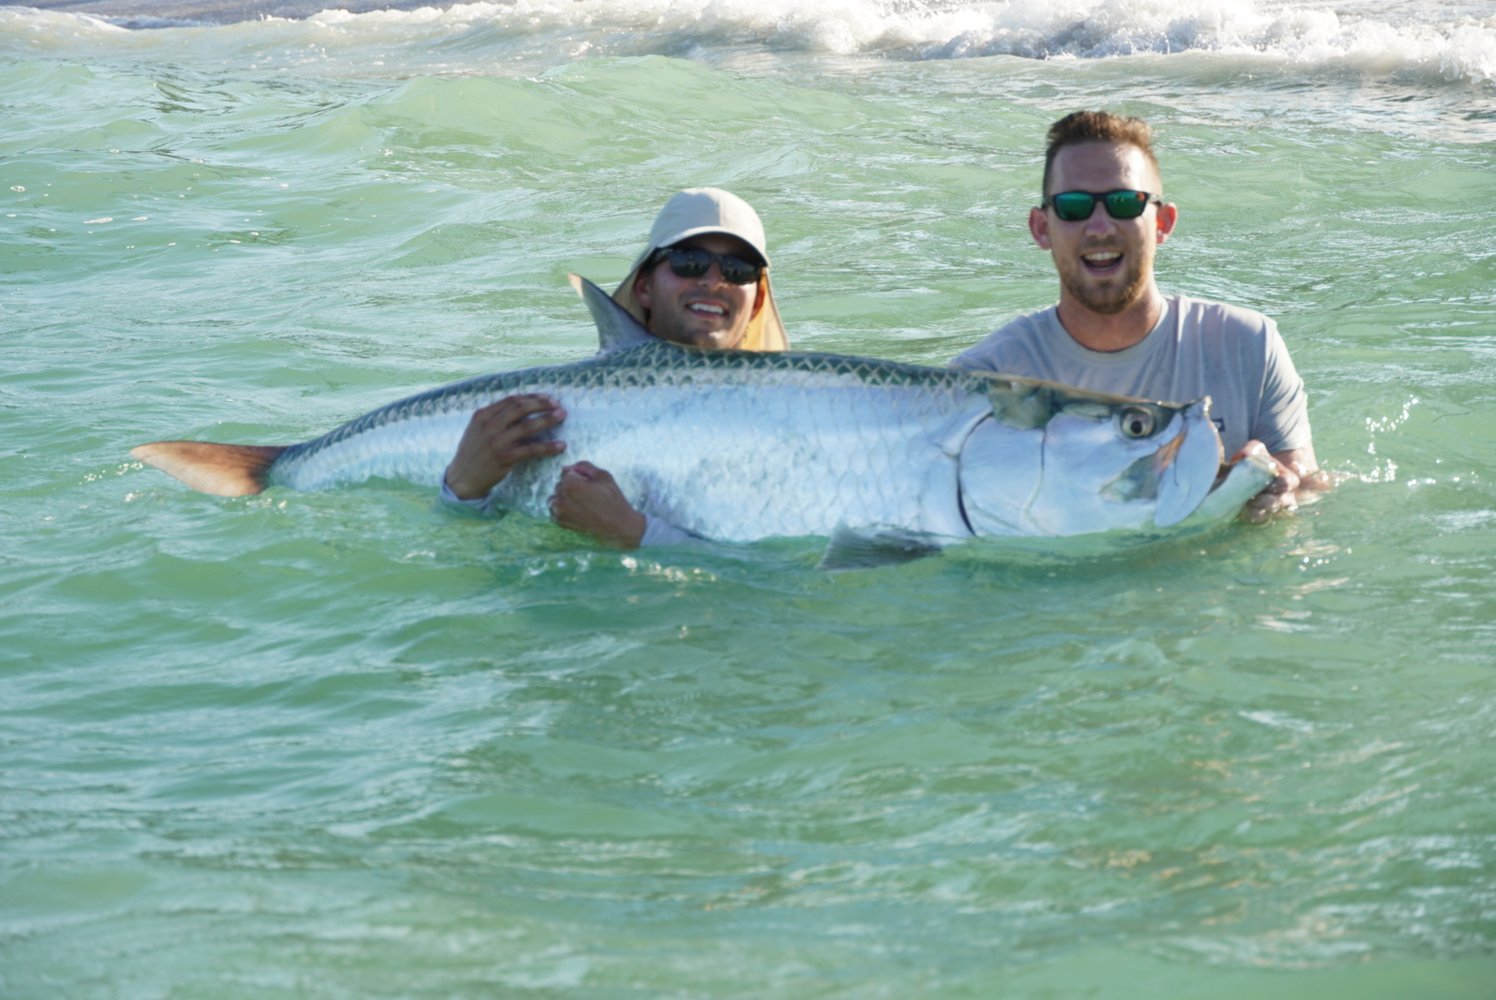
(1106, 297)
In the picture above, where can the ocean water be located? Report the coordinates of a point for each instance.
(349, 744)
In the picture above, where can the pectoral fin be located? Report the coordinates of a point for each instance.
(868, 548)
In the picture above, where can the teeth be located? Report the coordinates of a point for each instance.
(1102, 258)
(707, 307)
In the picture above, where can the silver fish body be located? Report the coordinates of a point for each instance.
(733, 446)
(738, 446)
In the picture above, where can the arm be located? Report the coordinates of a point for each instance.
(498, 437)
(587, 499)
(1283, 418)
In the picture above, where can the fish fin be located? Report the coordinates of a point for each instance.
(864, 549)
(616, 327)
(225, 470)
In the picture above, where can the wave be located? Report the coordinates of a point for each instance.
(1440, 40)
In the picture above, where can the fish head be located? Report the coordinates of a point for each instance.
(1057, 461)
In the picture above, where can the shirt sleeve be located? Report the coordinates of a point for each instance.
(477, 505)
(1283, 415)
(659, 532)
(1022, 346)
(980, 357)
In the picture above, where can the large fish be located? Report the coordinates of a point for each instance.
(887, 459)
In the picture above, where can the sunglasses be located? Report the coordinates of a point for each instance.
(1075, 206)
(690, 263)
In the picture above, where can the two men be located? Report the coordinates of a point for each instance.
(702, 281)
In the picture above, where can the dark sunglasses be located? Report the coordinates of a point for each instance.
(1074, 206)
(691, 263)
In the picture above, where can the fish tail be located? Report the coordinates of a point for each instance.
(225, 470)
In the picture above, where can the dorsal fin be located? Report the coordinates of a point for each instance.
(616, 329)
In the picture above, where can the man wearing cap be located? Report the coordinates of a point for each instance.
(701, 281)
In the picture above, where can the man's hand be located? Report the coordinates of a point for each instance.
(588, 500)
(500, 436)
(1299, 478)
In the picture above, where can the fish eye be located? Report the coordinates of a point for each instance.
(1137, 422)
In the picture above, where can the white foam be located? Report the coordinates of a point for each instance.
(1443, 40)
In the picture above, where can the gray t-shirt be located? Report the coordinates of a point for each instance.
(1235, 356)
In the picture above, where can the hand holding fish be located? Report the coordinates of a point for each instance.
(500, 436)
(1294, 482)
(587, 499)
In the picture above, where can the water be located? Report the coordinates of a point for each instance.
(351, 745)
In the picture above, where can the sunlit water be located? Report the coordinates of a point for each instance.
(349, 744)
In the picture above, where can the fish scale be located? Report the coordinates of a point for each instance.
(737, 446)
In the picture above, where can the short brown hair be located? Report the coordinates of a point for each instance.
(1096, 126)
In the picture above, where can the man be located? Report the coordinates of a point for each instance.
(701, 281)
(1102, 217)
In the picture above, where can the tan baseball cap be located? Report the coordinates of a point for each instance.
(695, 212)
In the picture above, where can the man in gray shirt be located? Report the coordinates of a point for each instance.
(1102, 219)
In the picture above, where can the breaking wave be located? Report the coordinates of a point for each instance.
(1442, 41)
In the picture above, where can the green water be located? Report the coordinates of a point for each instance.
(351, 745)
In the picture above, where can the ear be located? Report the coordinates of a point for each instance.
(1039, 227)
(762, 296)
(644, 290)
(1166, 218)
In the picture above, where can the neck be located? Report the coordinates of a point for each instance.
(1108, 332)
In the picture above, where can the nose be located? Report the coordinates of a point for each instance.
(1100, 220)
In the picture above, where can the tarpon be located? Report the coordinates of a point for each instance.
(885, 458)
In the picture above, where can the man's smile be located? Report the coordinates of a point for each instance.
(1101, 260)
(707, 308)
